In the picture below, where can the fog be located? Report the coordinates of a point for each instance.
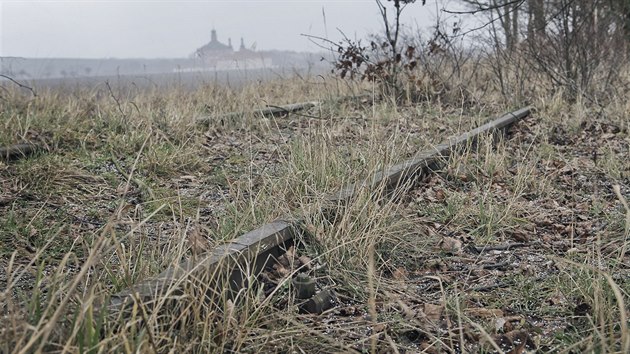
(155, 43)
(174, 29)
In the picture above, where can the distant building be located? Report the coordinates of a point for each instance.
(218, 56)
(214, 48)
(242, 47)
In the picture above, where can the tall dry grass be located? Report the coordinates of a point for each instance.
(129, 187)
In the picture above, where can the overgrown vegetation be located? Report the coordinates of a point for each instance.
(518, 244)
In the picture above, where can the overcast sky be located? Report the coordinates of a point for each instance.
(174, 29)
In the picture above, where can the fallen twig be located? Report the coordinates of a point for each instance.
(496, 265)
(21, 85)
(500, 247)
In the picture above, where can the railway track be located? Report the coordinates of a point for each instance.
(229, 266)
(26, 149)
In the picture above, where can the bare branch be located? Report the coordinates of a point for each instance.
(484, 7)
(19, 84)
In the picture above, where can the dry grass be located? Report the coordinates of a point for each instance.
(131, 185)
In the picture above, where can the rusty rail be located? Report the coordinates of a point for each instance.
(255, 248)
(426, 160)
(259, 247)
(264, 111)
(271, 110)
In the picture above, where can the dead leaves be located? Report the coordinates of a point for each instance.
(287, 265)
(433, 312)
(451, 245)
(400, 274)
(484, 312)
(198, 240)
(506, 331)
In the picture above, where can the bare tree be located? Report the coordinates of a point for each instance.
(536, 22)
(581, 46)
(578, 45)
(392, 35)
(385, 57)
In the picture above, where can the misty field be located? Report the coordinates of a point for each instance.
(518, 244)
(186, 213)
